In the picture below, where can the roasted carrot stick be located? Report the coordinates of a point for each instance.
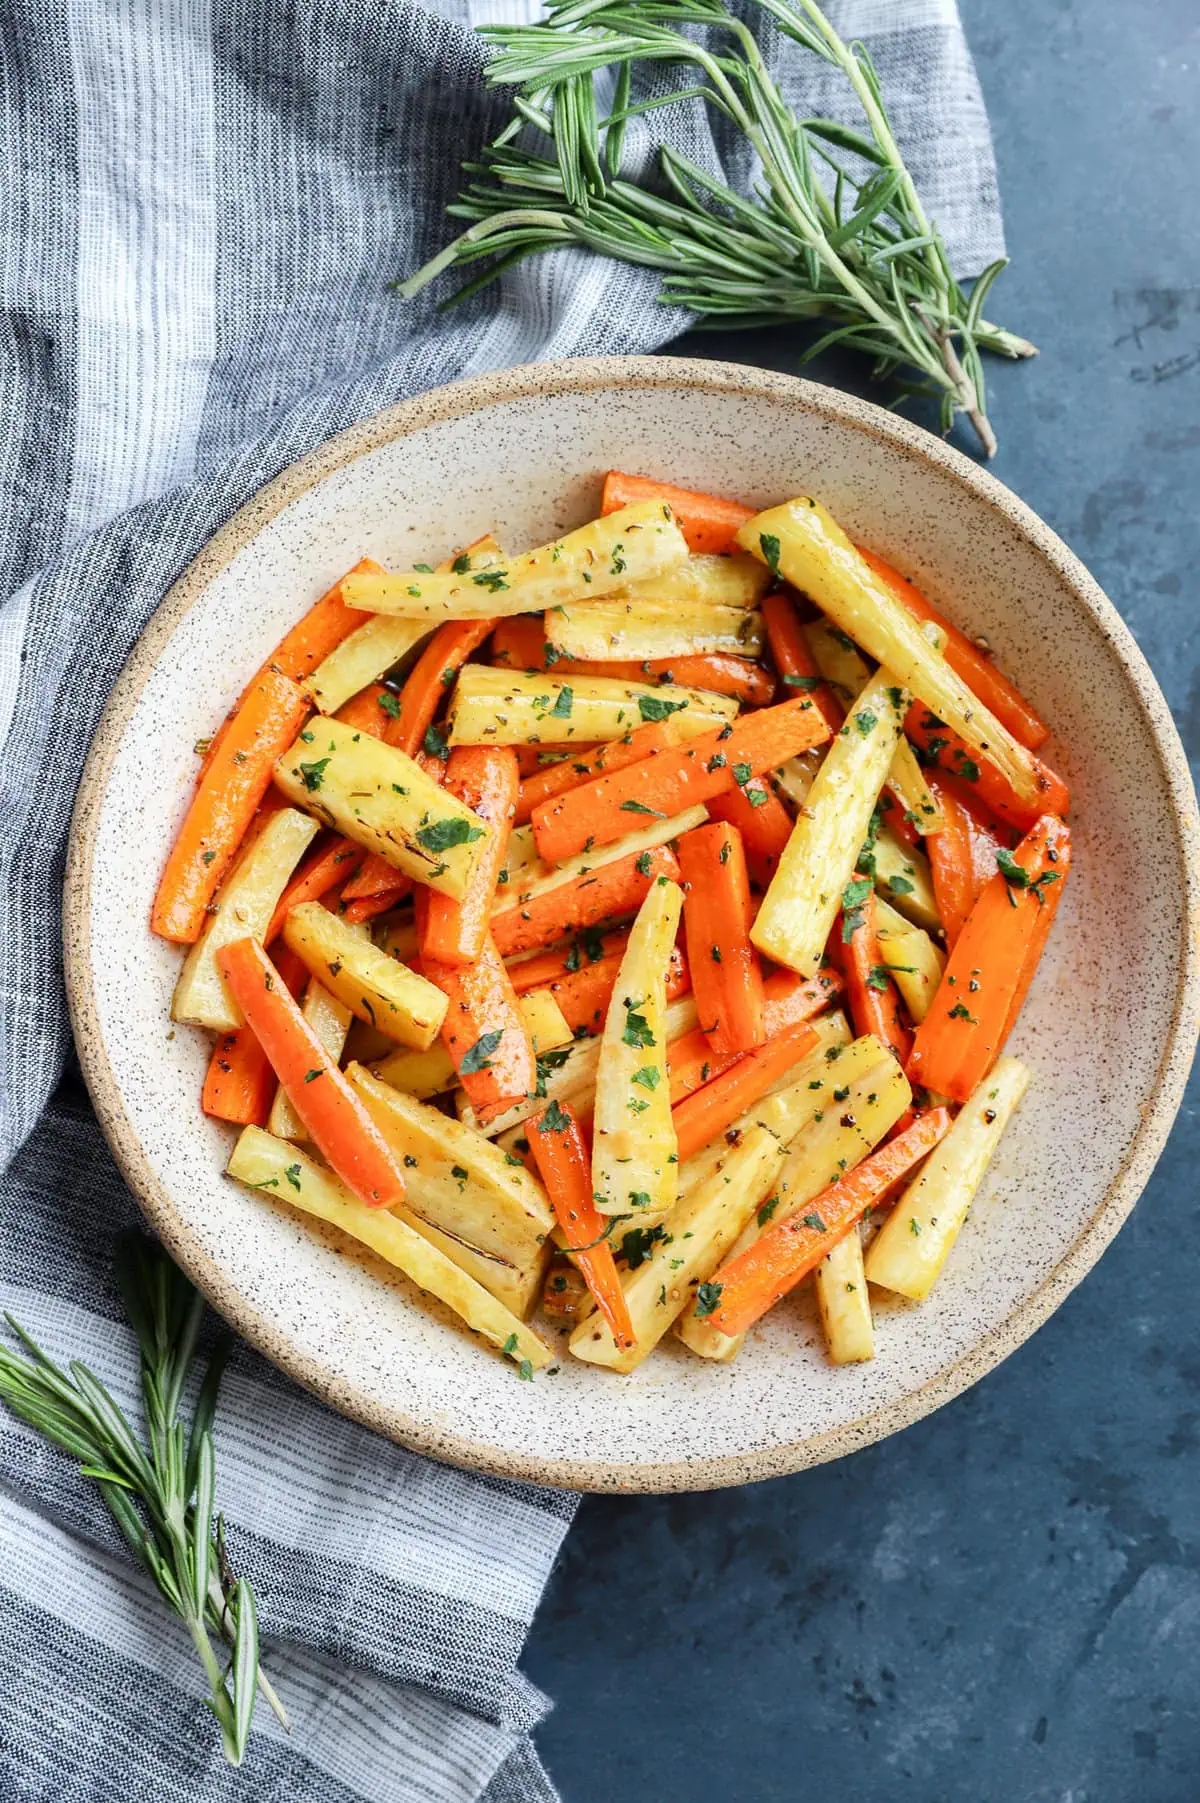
(547, 967)
(564, 1163)
(240, 1084)
(369, 907)
(328, 866)
(762, 820)
(375, 876)
(759, 1277)
(430, 679)
(706, 521)
(977, 670)
(556, 779)
(708, 1111)
(870, 992)
(338, 1123)
(608, 807)
(237, 778)
(484, 1030)
(994, 959)
(485, 778)
(727, 977)
(309, 642)
(787, 1001)
(520, 643)
(584, 994)
(794, 660)
(952, 863)
(605, 894)
(943, 747)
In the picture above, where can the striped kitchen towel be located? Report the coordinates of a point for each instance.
(203, 205)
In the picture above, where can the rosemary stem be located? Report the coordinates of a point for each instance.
(498, 222)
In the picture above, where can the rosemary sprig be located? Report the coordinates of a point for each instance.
(160, 1491)
(835, 230)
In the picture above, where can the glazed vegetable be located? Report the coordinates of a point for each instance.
(233, 785)
(498, 707)
(605, 555)
(726, 974)
(568, 919)
(381, 799)
(816, 874)
(600, 811)
(335, 1119)
(634, 1162)
(915, 1240)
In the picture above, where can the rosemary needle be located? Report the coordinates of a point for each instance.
(836, 229)
(160, 1492)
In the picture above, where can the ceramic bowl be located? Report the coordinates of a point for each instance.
(1109, 1028)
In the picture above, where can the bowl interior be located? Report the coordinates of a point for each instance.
(527, 465)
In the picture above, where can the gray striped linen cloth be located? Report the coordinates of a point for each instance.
(202, 207)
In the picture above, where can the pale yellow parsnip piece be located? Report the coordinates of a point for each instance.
(736, 580)
(382, 799)
(607, 554)
(914, 1242)
(628, 628)
(819, 859)
(846, 1130)
(698, 1231)
(281, 1169)
(634, 1150)
(915, 962)
(375, 987)
(844, 1303)
(243, 910)
(515, 707)
(903, 878)
(810, 550)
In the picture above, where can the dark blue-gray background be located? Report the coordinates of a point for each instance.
(1001, 1605)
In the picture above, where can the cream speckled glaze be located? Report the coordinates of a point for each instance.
(1109, 1028)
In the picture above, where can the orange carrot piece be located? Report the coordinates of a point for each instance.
(485, 778)
(584, 994)
(239, 1085)
(944, 747)
(787, 1001)
(763, 1274)
(223, 806)
(707, 1112)
(994, 957)
(327, 866)
(870, 992)
(706, 521)
(952, 863)
(367, 907)
(976, 669)
(308, 644)
(608, 893)
(369, 710)
(547, 967)
(727, 977)
(520, 643)
(762, 820)
(556, 779)
(564, 1164)
(375, 876)
(430, 678)
(339, 1125)
(484, 1030)
(609, 806)
(794, 660)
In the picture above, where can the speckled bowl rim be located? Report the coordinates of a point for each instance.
(574, 377)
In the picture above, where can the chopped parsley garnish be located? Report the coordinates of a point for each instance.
(653, 707)
(815, 1222)
(639, 1242)
(854, 899)
(643, 865)
(637, 1027)
(960, 1011)
(648, 1076)
(768, 544)
(478, 1058)
(639, 807)
(389, 703)
(435, 742)
(866, 722)
(564, 702)
(802, 682)
(490, 579)
(878, 977)
(292, 1173)
(554, 1120)
(461, 564)
(709, 1294)
(441, 835)
(313, 774)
